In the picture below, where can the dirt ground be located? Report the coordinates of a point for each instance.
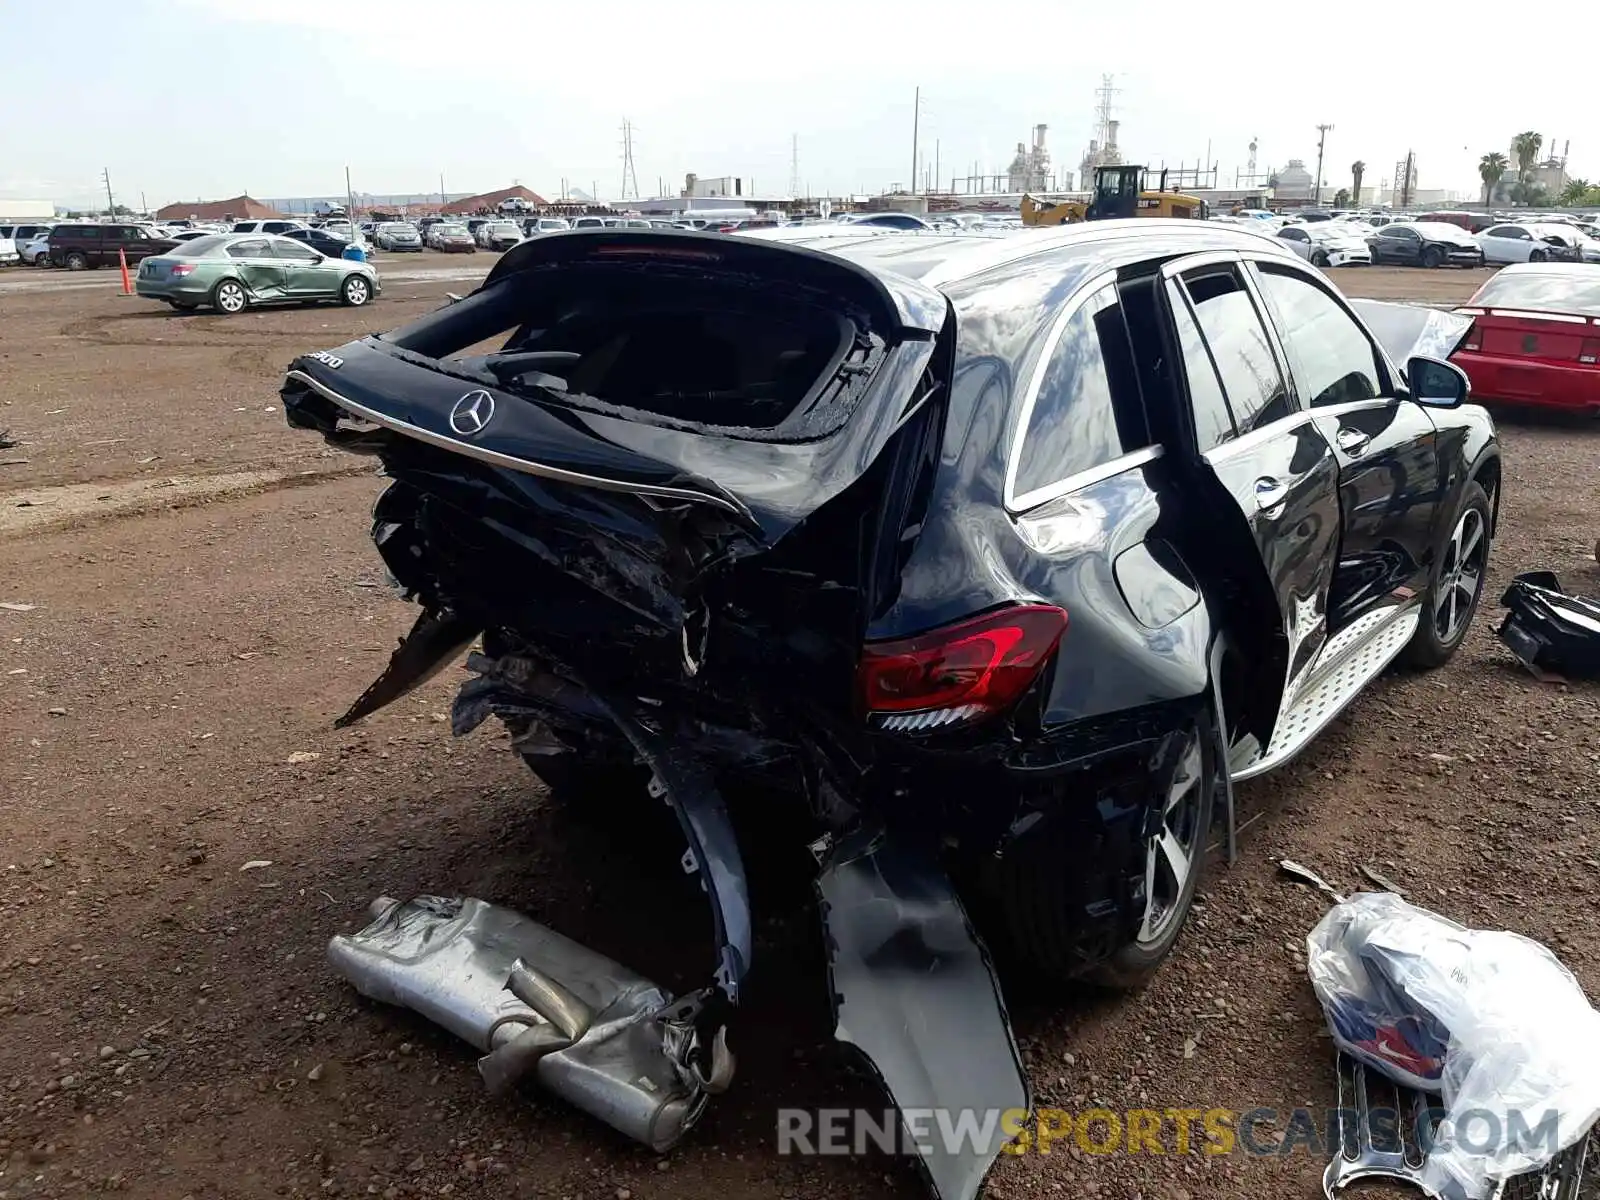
(168, 678)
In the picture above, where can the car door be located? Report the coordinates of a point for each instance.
(1384, 446)
(308, 274)
(1273, 464)
(1298, 240)
(1400, 245)
(259, 270)
(1500, 245)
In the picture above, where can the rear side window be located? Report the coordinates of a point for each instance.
(1237, 338)
(1330, 357)
(250, 249)
(1073, 424)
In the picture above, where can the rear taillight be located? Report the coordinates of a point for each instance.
(963, 672)
(1589, 352)
(179, 269)
(1474, 339)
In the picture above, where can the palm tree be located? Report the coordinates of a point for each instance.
(1575, 191)
(1491, 169)
(1526, 147)
(1357, 170)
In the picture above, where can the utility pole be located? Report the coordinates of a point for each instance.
(1322, 136)
(111, 205)
(349, 203)
(441, 189)
(794, 165)
(1411, 166)
(916, 115)
(629, 179)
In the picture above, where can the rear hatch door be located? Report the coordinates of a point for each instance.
(515, 483)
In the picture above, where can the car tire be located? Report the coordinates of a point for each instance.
(1460, 575)
(76, 261)
(1319, 258)
(355, 291)
(229, 298)
(1536, 256)
(1433, 257)
(1040, 906)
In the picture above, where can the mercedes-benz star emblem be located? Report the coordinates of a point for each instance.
(472, 413)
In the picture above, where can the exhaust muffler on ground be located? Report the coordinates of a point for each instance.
(538, 1004)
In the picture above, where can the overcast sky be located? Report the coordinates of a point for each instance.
(204, 99)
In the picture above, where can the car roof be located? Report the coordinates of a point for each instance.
(1549, 268)
(941, 259)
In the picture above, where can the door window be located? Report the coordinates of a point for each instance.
(1400, 235)
(1237, 338)
(1505, 231)
(1213, 424)
(1073, 424)
(293, 251)
(255, 248)
(1331, 358)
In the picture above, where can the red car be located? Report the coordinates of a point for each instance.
(1535, 337)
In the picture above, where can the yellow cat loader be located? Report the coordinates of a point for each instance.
(1119, 191)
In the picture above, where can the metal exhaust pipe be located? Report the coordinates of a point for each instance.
(538, 1004)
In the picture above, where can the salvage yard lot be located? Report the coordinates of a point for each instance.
(170, 1027)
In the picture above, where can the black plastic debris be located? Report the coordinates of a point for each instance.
(1551, 632)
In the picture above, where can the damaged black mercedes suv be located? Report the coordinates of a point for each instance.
(1005, 556)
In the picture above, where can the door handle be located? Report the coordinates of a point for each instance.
(1353, 441)
(1270, 493)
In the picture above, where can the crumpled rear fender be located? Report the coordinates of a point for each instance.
(915, 993)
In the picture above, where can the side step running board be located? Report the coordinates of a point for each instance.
(1350, 660)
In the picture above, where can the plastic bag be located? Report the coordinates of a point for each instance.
(1489, 1018)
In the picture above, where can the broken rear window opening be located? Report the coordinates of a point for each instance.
(667, 343)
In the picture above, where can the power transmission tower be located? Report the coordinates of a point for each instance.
(1322, 137)
(630, 181)
(794, 165)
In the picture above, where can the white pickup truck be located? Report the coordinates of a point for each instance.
(8, 252)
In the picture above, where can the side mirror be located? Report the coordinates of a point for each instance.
(318, 258)
(1437, 383)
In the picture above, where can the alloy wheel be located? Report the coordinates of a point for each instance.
(230, 297)
(355, 291)
(1171, 853)
(1460, 576)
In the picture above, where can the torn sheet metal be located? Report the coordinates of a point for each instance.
(915, 993)
(1551, 632)
(436, 639)
(539, 1005)
(684, 782)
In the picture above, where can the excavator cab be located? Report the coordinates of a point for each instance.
(1116, 192)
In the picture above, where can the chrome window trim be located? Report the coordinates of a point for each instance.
(1255, 437)
(1207, 258)
(1355, 406)
(1069, 309)
(1083, 479)
(495, 458)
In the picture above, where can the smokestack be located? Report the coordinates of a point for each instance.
(1038, 136)
(1111, 133)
